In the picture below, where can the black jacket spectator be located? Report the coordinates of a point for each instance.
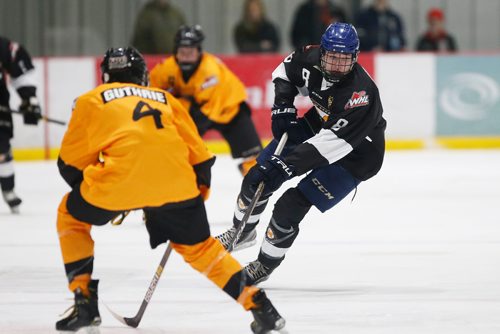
(311, 20)
(254, 33)
(380, 28)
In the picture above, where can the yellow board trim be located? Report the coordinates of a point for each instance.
(469, 142)
(221, 147)
(407, 144)
(21, 154)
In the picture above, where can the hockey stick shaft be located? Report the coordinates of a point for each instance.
(256, 197)
(45, 118)
(134, 321)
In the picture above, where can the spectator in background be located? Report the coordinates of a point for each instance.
(380, 28)
(155, 27)
(436, 38)
(311, 20)
(254, 33)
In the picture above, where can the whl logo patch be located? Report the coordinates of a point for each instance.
(358, 99)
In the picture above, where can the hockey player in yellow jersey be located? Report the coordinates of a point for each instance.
(213, 94)
(127, 147)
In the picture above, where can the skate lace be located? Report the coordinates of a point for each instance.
(69, 311)
(227, 237)
(256, 270)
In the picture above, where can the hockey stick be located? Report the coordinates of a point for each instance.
(255, 198)
(45, 118)
(134, 322)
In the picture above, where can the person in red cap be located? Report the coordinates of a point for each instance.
(436, 38)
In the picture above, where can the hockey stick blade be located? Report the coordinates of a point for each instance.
(121, 319)
(255, 199)
(134, 321)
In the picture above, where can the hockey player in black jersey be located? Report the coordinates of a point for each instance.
(339, 143)
(15, 61)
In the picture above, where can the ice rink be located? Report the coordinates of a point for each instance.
(417, 251)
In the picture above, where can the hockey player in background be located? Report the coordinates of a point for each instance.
(339, 143)
(15, 62)
(128, 147)
(214, 96)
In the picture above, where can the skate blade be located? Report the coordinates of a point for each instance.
(15, 210)
(257, 329)
(92, 329)
(244, 245)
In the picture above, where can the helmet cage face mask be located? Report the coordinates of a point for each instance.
(335, 65)
(188, 58)
(189, 37)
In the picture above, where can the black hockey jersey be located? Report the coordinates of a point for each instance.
(16, 62)
(349, 113)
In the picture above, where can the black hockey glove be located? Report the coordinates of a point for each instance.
(273, 172)
(203, 123)
(31, 110)
(204, 176)
(284, 119)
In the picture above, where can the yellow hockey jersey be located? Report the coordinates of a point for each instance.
(213, 86)
(135, 146)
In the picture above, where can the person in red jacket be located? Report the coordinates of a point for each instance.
(436, 38)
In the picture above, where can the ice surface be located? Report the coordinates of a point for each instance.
(417, 251)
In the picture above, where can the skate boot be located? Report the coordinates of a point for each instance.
(257, 272)
(12, 200)
(84, 313)
(247, 239)
(266, 316)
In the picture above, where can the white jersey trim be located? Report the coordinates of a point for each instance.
(6, 169)
(280, 72)
(25, 79)
(330, 146)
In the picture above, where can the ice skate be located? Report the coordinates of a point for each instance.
(257, 272)
(85, 311)
(247, 239)
(267, 318)
(12, 200)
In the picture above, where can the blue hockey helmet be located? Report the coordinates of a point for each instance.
(339, 50)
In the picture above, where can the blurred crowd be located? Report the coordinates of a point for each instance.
(379, 26)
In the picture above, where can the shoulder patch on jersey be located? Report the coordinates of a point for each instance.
(358, 99)
(209, 82)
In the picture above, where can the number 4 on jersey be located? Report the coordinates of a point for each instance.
(139, 113)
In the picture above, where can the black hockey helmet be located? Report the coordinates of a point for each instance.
(124, 65)
(189, 36)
